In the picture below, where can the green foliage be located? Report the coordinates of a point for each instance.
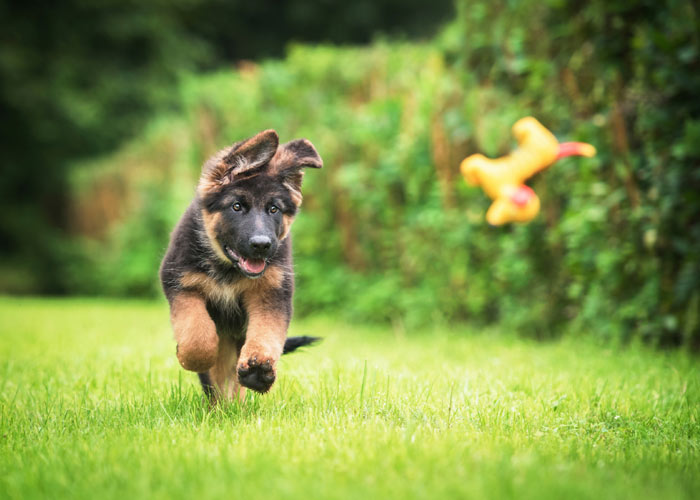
(388, 230)
(94, 404)
(624, 238)
(78, 78)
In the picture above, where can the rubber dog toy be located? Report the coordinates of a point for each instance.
(503, 178)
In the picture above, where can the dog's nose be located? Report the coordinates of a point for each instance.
(260, 243)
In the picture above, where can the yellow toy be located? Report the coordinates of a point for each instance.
(503, 178)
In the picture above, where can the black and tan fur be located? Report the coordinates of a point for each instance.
(230, 320)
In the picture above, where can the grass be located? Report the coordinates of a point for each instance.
(94, 405)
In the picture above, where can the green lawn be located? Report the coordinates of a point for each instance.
(94, 405)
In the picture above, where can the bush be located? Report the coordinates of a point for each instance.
(390, 232)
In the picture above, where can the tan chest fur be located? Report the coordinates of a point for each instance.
(228, 295)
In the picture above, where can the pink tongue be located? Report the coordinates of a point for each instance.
(253, 266)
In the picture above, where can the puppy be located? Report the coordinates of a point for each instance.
(227, 273)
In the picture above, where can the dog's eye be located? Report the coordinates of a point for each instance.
(237, 207)
(273, 209)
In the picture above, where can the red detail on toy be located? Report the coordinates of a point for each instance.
(522, 195)
(575, 149)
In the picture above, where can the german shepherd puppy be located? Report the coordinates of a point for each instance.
(227, 273)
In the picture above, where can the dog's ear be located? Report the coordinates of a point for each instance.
(253, 153)
(242, 157)
(296, 154)
(289, 163)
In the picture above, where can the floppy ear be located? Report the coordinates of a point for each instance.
(290, 160)
(242, 157)
(253, 153)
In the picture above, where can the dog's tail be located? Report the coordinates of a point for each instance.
(294, 343)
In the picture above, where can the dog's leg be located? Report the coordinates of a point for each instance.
(207, 386)
(223, 375)
(195, 332)
(267, 331)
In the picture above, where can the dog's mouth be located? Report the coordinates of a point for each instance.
(252, 268)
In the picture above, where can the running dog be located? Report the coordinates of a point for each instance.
(227, 273)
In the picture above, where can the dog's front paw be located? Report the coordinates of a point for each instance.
(257, 373)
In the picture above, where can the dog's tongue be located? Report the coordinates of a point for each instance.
(253, 266)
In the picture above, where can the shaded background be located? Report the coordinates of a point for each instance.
(107, 111)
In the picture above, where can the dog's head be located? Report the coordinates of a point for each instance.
(249, 194)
